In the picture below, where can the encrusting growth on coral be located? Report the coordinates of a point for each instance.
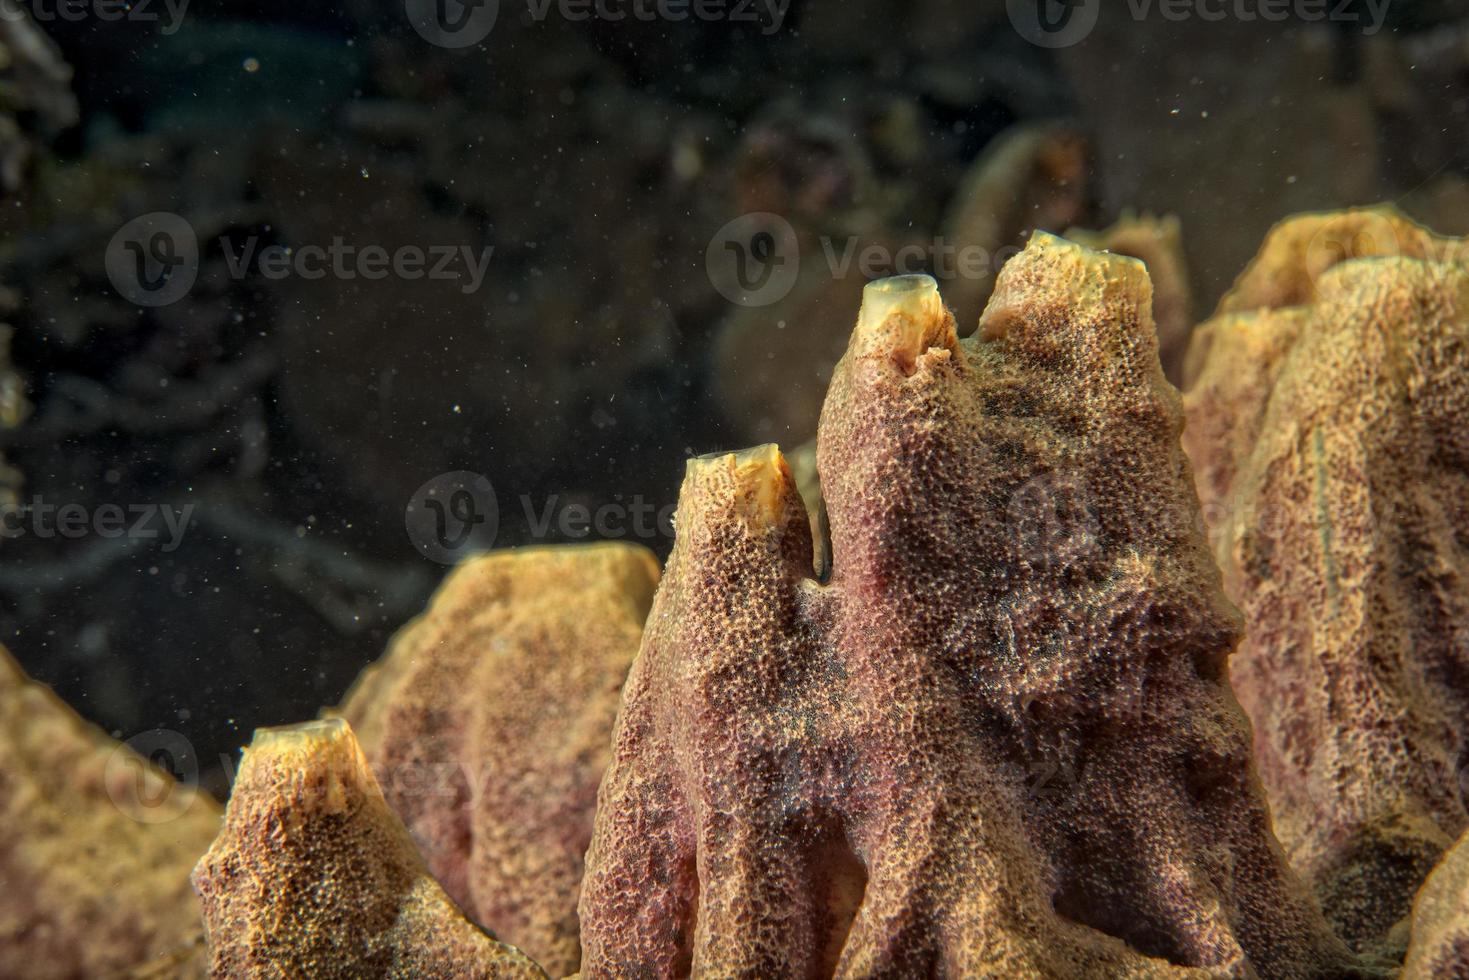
(97, 845)
(1001, 740)
(488, 723)
(1327, 425)
(314, 876)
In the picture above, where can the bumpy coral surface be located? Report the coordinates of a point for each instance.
(1328, 425)
(313, 875)
(489, 720)
(1000, 741)
(1159, 243)
(97, 843)
(1440, 946)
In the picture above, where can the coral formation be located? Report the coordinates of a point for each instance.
(313, 875)
(1440, 946)
(496, 705)
(1159, 243)
(97, 845)
(1000, 740)
(1327, 426)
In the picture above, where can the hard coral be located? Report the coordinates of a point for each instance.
(97, 846)
(489, 721)
(1327, 422)
(1000, 741)
(314, 876)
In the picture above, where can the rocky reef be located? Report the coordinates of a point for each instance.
(1326, 423)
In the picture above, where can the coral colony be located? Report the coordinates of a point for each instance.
(1047, 684)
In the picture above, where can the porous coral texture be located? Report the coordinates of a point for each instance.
(313, 875)
(1327, 421)
(1000, 741)
(488, 723)
(1159, 243)
(97, 842)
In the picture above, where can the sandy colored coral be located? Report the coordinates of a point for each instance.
(1159, 243)
(1327, 423)
(1000, 741)
(97, 844)
(1440, 946)
(488, 723)
(314, 876)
